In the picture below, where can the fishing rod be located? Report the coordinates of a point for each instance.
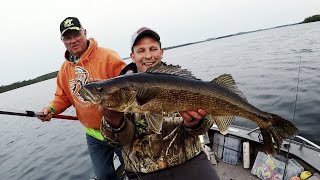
(35, 114)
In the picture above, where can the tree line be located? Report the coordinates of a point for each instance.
(313, 18)
(20, 84)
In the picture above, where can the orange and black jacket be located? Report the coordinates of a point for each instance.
(95, 64)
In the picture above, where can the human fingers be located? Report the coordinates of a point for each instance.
(46, 114)
(188, 118)
(185, 115)
(195, 114)
(202, 112)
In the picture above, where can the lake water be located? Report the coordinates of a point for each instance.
(264, 64)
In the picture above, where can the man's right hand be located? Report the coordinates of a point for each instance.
(46, 114)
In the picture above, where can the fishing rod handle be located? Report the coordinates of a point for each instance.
(64, 117)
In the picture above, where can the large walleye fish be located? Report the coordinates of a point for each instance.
(168, 88)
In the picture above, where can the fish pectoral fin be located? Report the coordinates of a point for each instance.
(144, 95)
(223, 123)
(155, 122)
(228, 82)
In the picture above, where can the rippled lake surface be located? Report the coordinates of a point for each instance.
(265, 65)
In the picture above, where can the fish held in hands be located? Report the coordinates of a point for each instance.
(169, 88)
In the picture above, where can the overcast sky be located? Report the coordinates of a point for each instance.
(31, 44)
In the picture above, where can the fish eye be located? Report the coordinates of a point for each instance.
(99, 88)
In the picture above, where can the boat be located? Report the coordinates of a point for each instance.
(239, 155)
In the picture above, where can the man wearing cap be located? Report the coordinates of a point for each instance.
(84, 62)
(176, 153)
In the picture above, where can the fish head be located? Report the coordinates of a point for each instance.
(91, 92)
(109, 94)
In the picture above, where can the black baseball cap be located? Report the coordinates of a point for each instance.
(70, 23)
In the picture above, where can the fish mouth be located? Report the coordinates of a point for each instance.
(88, 96)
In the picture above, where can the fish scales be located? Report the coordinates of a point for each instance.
(179, 94)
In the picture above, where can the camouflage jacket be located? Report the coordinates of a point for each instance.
(145, 151)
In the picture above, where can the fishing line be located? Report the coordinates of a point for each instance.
(295, 104)
(297, 91)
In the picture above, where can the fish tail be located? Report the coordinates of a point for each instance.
(279, 130)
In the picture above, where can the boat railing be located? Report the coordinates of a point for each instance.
(303, 139)
(253, 130)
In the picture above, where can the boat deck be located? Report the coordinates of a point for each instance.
(233, 172)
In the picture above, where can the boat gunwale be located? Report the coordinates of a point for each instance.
(308, 153)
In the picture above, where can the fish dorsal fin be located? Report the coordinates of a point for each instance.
(170, 69)
(154, 121)
(223, 123)
(228, 82)
(144, 95)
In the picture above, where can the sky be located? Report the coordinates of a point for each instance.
(31, 44)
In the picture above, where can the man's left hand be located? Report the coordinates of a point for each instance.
(192, 118)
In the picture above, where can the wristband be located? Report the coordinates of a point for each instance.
(107, 126)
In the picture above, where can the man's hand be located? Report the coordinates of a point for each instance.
(192, 118)
(46, 114)
(114, 118)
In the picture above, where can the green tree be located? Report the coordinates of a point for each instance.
(313, 18)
